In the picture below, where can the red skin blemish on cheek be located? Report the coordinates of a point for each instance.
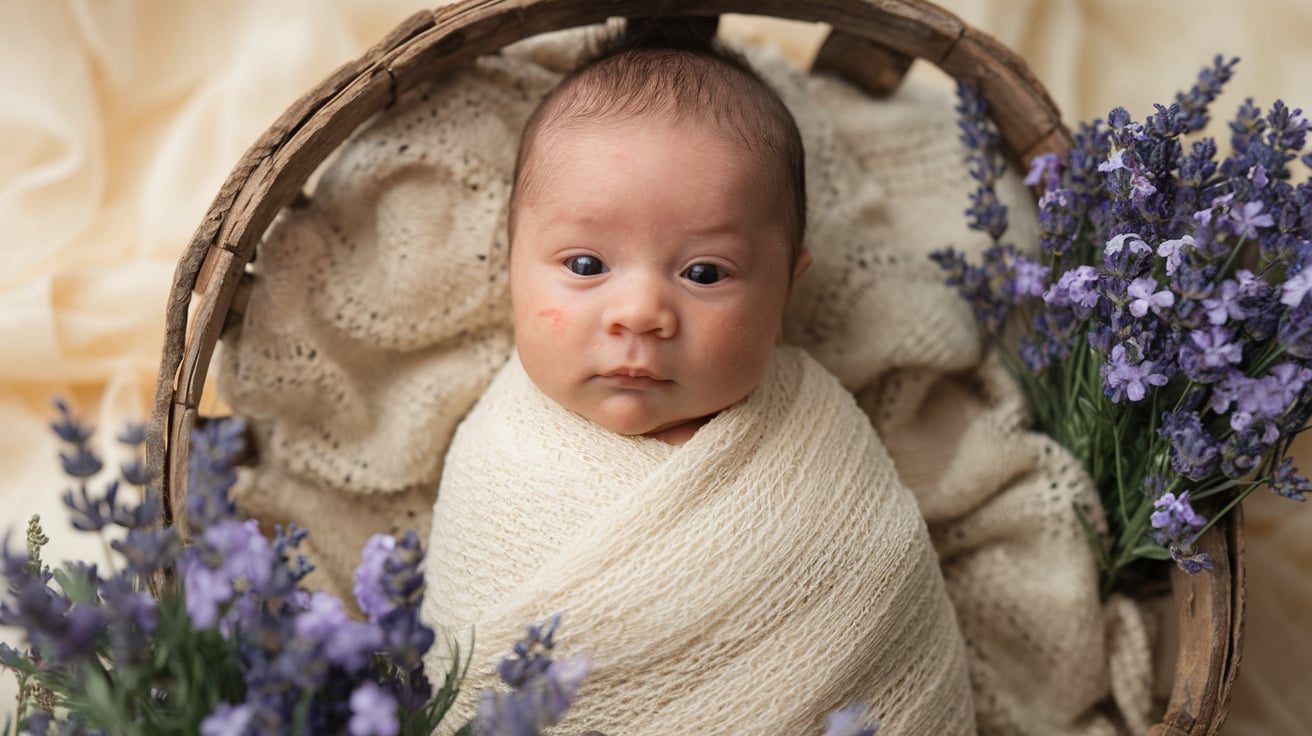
(554, 315)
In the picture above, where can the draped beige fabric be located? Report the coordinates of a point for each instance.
(119, 122)
(752, 580)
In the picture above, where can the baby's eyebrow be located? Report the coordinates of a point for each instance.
(729, 227)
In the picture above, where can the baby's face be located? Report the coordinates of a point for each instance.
(648, 275)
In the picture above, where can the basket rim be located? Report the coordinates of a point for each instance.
(871, 43)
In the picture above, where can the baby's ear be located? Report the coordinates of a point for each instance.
(803, 263)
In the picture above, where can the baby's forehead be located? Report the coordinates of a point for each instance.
(651, 131)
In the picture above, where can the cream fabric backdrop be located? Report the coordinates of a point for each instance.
(121, 119)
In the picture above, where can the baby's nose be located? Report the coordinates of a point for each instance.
(641, 307)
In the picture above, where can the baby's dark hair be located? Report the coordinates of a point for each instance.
(674, 68)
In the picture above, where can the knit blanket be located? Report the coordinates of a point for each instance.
(769, 571)
(379, 315)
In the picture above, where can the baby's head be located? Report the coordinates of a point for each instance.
(656, 227)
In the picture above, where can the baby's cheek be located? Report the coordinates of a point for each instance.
(553, 320)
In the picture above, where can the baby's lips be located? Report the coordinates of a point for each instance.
(633, 372)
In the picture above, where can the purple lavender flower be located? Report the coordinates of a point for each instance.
(847, 722)
(1142, 187)
(1241, 452)
(228, 720)
(147, 550)
(403, 578)
(543, 689)
(1296, 287)
(1075, 286)
(373, 712)
(1174, 518)
(1259, 401)
(368, 588)
(82, 463)
(89, 512)
(1283, 384)
(1125, 379)
(1257, 175)
(1055, 197)
(132, 619)
(1114, 162)
(1190, 561)
(206, 591)
(986, 213)
(1294, 333)
(1226, 306)
(211, 470)
(322, 615)
(1029, 277)
(343, 642)
(528, 661)
(68, 428)
(1251, 286)
(1135, 244)
(351, 645)
(232, 552)
(1045, 168)
(1194, 103)
(1208, 353)
(990, 288)
(1144, 297)
(1124, 255)
(1246, 222)
(133, 434)
(563, 679)
(1174, 526)
(1194, 453)
(539, 703)
(137, 473)
(1217, 317)
(1288, 482)
(1171, 251)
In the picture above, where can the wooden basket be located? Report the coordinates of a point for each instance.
(872, 44)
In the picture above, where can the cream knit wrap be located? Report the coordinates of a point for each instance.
(380, 314)
(769, 571)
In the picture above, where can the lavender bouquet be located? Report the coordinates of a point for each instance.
(1163, 336)
(238, 647)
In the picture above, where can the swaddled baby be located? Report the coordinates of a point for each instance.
(709, 511)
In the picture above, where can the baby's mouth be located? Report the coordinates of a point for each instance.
(632, 372)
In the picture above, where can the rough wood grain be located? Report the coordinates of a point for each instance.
(180, 439)
(870, 66)
(237, 308)
(211, 314)
(1017, 102)
(1209, 629)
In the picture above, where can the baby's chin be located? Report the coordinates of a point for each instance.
(631, 416)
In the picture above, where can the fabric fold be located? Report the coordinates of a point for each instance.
(767, 572)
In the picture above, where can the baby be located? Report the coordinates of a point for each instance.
(656, 226)
(709, 510)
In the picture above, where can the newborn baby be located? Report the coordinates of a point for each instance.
(708, 509)
(652, 252)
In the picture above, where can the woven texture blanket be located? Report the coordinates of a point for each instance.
(769, 571)
(380, 315)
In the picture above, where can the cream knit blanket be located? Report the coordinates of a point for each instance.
(769, 571)
(380, 314)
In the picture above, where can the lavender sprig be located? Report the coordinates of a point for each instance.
(1171, 342)
(237, 645)
(542, 688)
(984, 162)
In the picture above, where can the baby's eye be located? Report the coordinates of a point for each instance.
(704, 273)
(585, 265)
